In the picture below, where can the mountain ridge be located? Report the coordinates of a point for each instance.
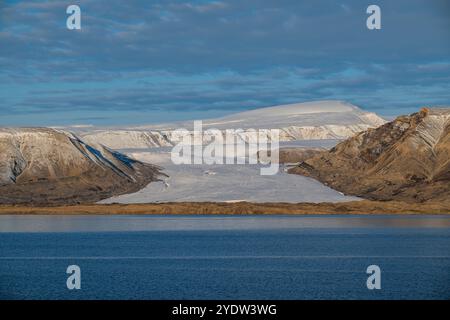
(43, 165)
(302, 121)
(406, 159)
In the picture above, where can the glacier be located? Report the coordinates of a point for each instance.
(312, 124)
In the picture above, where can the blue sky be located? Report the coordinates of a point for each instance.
(148, 61)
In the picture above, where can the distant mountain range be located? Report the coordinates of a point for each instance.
(301, 121)
(406, 159)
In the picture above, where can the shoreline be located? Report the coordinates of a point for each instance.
(364, 207)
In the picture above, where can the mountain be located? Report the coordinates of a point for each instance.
(47, 166)
(301, 121)
(407, 159)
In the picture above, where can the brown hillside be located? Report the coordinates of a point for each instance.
(406, 159)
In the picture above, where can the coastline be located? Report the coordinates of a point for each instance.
(364, 207)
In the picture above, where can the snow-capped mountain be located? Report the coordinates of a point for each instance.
(41, 165)
(300, 121)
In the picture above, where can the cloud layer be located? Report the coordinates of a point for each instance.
(146, 61)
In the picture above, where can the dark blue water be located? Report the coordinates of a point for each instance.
(262, 257)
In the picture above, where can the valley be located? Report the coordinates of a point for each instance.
(332, 156)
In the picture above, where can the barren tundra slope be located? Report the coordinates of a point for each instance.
(182, 208)
(407, 159)
(46, 166)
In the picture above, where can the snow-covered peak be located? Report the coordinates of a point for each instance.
(299, 121)
(301, 108)
(312, 114)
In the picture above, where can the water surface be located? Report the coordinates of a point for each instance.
(225, 257)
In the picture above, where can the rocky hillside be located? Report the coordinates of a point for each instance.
(291, 155)
(46, 166)
(407, 159)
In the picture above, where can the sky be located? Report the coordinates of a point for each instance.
(149, 61)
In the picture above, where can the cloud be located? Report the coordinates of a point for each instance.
(213, 55)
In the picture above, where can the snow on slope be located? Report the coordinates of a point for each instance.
(323, 120)
(301, 121)
(227, 183)
(406, 159)
(307, 114)
(311, 114)
(47, 166)
(48, 153)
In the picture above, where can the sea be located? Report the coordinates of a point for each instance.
(276, 257)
